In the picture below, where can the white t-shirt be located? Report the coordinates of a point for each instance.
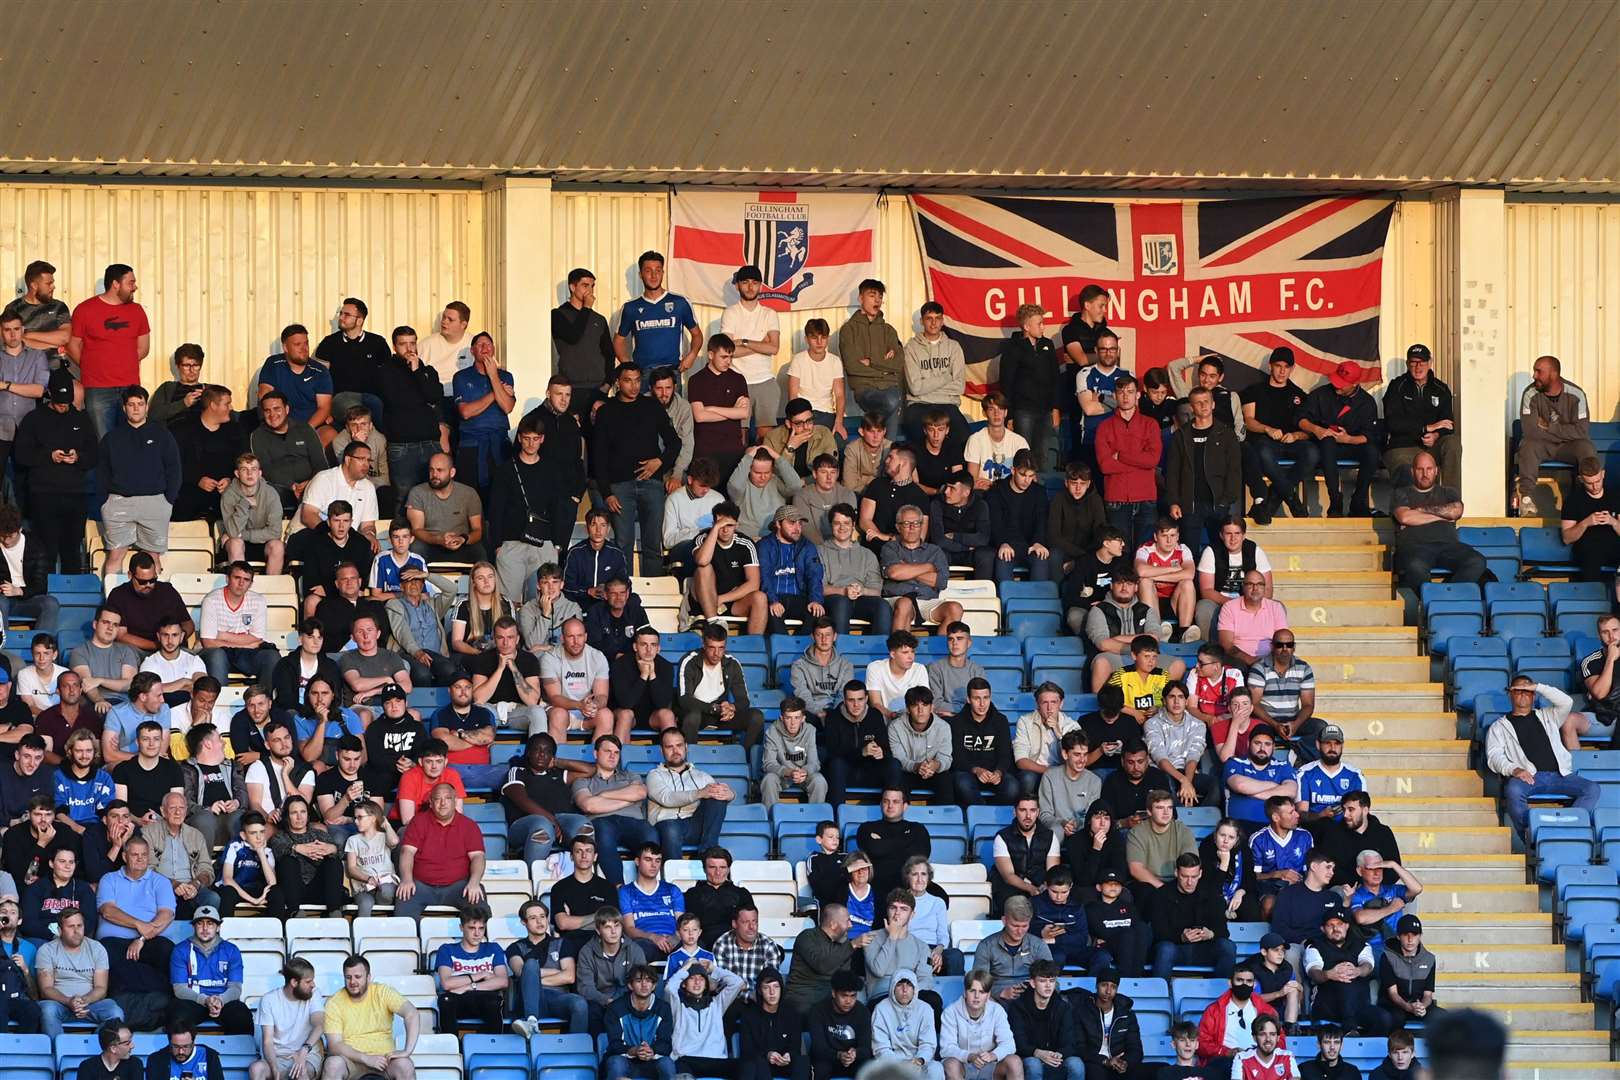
(252, 616)
(447, 359)
(40, 691)
(885, 686)
(14, 559)
(330, 484)
(184, 666)
(993, 458)
(372, 853)
(739, 323)
(289, 1018)
(816, 378)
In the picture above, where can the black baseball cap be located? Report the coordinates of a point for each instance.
(59, 388)
(394, 690)
(1282, 354)
(1418, 352)
(747, 273)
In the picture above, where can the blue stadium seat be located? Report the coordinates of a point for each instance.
(1193, 996)
(1056, 646)
(1559, 592)
(1014, 705)
(1561, 846)
(1029, 624)
(987, 820)
(1543, 550)
(1072, 680)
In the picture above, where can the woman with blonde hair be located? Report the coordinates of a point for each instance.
(472, 631)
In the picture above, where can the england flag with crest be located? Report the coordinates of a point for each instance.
(813, 249)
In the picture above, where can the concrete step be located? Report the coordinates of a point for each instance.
(1425, 783)
(1464, 869)
(1317, 641)
(1571, 1046)
(1466, 988)
(1370, 751)
(1347, 613)
(1561, 1070)
(1458, 902)
(1367, 731)
(1479, 919)
(1536, 1015)
(1489, 957)
(1306, 532)
(1336, 698)
(1316, 586)
(1294, 558)
(1371, 669)
(1398, 812)
(1439, 839)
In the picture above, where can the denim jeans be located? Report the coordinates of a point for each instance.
(874, 609)
(616, 833)
(53, 1014)
(1135, 520)
(641, 504)
(1072, 1069)
(1518, 794)
(988, 563)
(886, 403)
(1220, 954)
(619, 1067)
(259, 663)
(1035, 425)
(537, 1001)
(43, 608)
(969, 792)
(104, 407)
(1328, 453)
(408, 464)
(1262, 467)
(701, 830)
(520, 834)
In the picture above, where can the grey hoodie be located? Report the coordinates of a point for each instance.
(910, 746)
(903, 1032)
(759, 505)
(784, 751)
(850, 566)
(815, 502)
(936, 371)
(888, 958)
(820, 685)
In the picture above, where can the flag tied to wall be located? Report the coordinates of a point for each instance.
(1184, 278)
(812, 249)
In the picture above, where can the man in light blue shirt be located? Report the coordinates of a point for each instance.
(145, 703)
(136, 905)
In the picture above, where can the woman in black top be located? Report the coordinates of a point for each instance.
(310, 864)
(1227, 864)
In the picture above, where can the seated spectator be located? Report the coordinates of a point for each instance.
(1176, 744)
(360, 1027)
(1343, 419)
(54, 893)
(1231, 734)
(393, 742)
(1117, 620)
(1401, 1062)
(1382, 894)
(507, 679)
(388, 569)
(1598, 672)
(417, 783)
(1008, 955)
(889, 680)
(1271, 414)
(344, 607)
(1276, 982)
(762, 483)
(104, 664)
(183, 855)
(1284, 691)
(141, 781)
(1108, 1035)
(309, 858)
(215, 789)
(820, 953)
(640, 1031)
(145, 704)
(712, 692)
(1426, 514)
(542, 618)
(36, 683)
(321, 723)
(975, 1040)
(1228, 866)
(1406, 975)
(1067, 791)
(1357, 829)
(1018, 519)
(248, 870)
(1156, 841)
(818, 677)
(251, 725)
(348, 482)
(293, 672)
(1324, 783)
(291, 1022)
(612, 621)
(1589, 522)
(1227, 1027)
(468, 731)
(368, 858)
(744, 950)
(1299, 908)
(473, 976)
(840, 1029)
(30, 844)
(981, 746)
(593, 562)
(819, 496)
(1142, 681)
(24, 573)
(472, 630)
(543, 973)
(852, 582)
(1166, 564)
(1190, 923)
(1023, 853)
(891, 840)
(790, 757)
(359, 427)
(1037, 740)
(606, 961)
(1266, 1057)
(685, 805)
(915, 572)
(921, 745)
(948, 677)
(323, 552)
(137, 909)
(288, 449)
(235, 622)
(441, 857)
(176, 668)
(727, 577)
(1091, 577)
(1060, 921)
(1076, 520)
(688, 512)
(865, 454)
(70, 714)
(71, 974)
(959, 523)
(339, 790)
(1247, 625)
(1118, 925)
(1340, 967)
(104, 840)
(250, 517)
(270, 780)
(1530, 749)
(699, 994)
(1554, 417)
(641, 685)
(903, 1027)
(574, 681)
(1279, 850)
(1221, 569)
(854, 742)
(446, 516)
(615, 801)
(802, 439)
(1253, 779)
(790, 572)
(205, 971)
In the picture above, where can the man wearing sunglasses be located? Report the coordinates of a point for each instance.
(1283, 688)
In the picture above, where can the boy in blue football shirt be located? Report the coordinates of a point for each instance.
(650, 904)
(655, 320)
(473, 975)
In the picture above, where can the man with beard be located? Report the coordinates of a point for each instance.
(1252, 780)
(1325, 782)
(1341, 967)
(45, 319)
(360, 1027)
(290, 1021)
(1555, 420)
(446, 516)
(1353, 831)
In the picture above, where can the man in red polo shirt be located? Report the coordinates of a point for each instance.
(109, 339)
(441, 858)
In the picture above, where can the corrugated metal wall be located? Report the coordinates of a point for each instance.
(228, 267)
(1563, 293)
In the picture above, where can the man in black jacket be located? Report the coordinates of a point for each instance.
(355, 357)
(1018, 515)
(854, 745)
(840, 1030)
(1418, 416)
(982, 766)
(716, 898)
(641, 685)
(518, 516)
(891, 840)
(1043, 1026)
(1343, 419)
(1204, 473)
(412, 415)
(562, 451)
(632, 447)
(959, 520)
(584, 344)
(1354, 830)
(57, 444)
(1189, 923)
(1108, 1035)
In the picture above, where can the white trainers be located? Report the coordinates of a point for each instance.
(528, 1027)
(1191, 634)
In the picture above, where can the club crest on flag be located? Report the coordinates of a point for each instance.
(776, 238)
(1159, 255)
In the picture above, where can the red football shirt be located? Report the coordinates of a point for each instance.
(110, 333)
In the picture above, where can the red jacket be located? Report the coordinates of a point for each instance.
(1212, 1027)
(1129, 477)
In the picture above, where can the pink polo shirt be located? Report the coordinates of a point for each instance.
(1252, 630)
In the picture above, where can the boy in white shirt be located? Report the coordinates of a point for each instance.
(756, 339)
(888, 678)
(688, 511)
(36, 683)
(989, 451)
(818, 377)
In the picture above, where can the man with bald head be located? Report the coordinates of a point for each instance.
(441, 858)
(446, 516)
(1555, 420)
(1426, 514)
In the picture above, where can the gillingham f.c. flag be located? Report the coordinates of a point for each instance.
(1184, 278)
(812, 249)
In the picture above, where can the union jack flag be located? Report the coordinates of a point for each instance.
(1185, 278)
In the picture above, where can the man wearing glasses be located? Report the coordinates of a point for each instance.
(1246, 625)
(801, 440)
(1283, 688)
(115, 1062)
(1530, 748)
(915, 572)
(145, 603)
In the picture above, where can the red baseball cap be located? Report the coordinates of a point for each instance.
(1345, 375)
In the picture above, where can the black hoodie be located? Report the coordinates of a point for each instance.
(769, 1033)
(44, 430)
(1051, 1028)
(1125, 1037)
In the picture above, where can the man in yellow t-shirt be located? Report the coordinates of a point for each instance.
(360, 1028)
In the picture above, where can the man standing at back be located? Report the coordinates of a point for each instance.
(305, 382)
(450, 350)
(755, 339)
(355, 357)
(1554, 416)
(579, 333)
(633, 446)
(140, 479)
(110, 338)
(654, 321)
(46, 320)
(1128, 449)
(874, 368)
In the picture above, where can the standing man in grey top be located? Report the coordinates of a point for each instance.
(949, 676)
(615, 800)
(23, 371)
(680, 415)
(583, 342)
